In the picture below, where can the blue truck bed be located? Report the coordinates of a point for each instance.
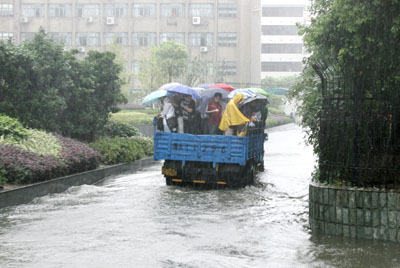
(208, 148)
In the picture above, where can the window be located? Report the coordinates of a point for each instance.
(143, 39)
(172, 10)
(115, 10)
(227, 10)
(6, 10)
(32, 10)
(88, 10)
(281, 66)
(280, 30)
(27, 36)
(227, 68)
(282, 48)
(201, 39)
(178, 37)
(87, 39)
(144, 10)
(60, 10)
(201, 10)
(65, 38)
(282, 11)
(6, 36)
(227, 39)
(135, 67)
(116, 38)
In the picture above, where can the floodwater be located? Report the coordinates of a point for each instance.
(135, 220)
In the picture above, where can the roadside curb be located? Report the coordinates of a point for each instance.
(26, 194)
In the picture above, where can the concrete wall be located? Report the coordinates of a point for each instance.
(26, 194)
(146, 130)
(355, 213)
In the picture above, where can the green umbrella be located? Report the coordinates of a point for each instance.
(259, 91)
(277, 91)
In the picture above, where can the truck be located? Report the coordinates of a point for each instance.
(210, 161)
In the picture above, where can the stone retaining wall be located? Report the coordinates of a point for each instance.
(355, 213)
(26, 194)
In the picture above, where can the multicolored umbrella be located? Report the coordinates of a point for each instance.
(246, 93)
(259, 91)
(224, 87)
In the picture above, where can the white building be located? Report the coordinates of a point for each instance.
(282, 49)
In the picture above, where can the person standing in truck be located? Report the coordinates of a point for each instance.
(214, 111)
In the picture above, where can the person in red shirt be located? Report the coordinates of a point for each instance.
(214, 111)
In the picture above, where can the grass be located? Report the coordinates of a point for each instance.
(135, 117)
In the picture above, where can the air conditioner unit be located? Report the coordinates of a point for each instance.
(81, 49)
(196, 20)
(90, 19)
(203, 49)
(110, 21)
(24, 19)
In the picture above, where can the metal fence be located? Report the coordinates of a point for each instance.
(359, 130)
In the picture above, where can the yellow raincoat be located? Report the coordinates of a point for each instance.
(232, 116)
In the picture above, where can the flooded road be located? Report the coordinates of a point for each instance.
(135, 220)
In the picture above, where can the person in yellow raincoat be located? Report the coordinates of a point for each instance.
(232, 117)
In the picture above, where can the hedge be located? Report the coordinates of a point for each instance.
(20, 166)
(123, 150)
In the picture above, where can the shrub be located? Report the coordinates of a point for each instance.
(36, 141)
(20, 166)
(77, 156)
(11, 128)
(119, 129)
(123, 150)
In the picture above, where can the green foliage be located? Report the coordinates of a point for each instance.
(38, 142)
(3, 176)
(172, 59)
(354, 47)
(123, 150)
(48, 88)
(278, 82)
(134, 117)
(11, 128)
(119, 129)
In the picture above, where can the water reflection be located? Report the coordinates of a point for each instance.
(135, 220)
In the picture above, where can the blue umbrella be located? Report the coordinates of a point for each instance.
(182, 89)
(246, 93)
(154, 96)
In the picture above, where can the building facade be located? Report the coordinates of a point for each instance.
(282, 49)
(225, 33)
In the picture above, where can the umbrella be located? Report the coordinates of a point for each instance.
(246, 93)
(261, 99)
(207, 95)
(277, 91)
(223, 86)
(182, 89)
(166, 86)
(154, 96)
(205, 86)
(259, 91)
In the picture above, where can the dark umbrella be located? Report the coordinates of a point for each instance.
(182, 89)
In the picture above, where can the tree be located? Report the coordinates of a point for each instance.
(163, 64)
(171, 58)
(48, 88)
(350, 89)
